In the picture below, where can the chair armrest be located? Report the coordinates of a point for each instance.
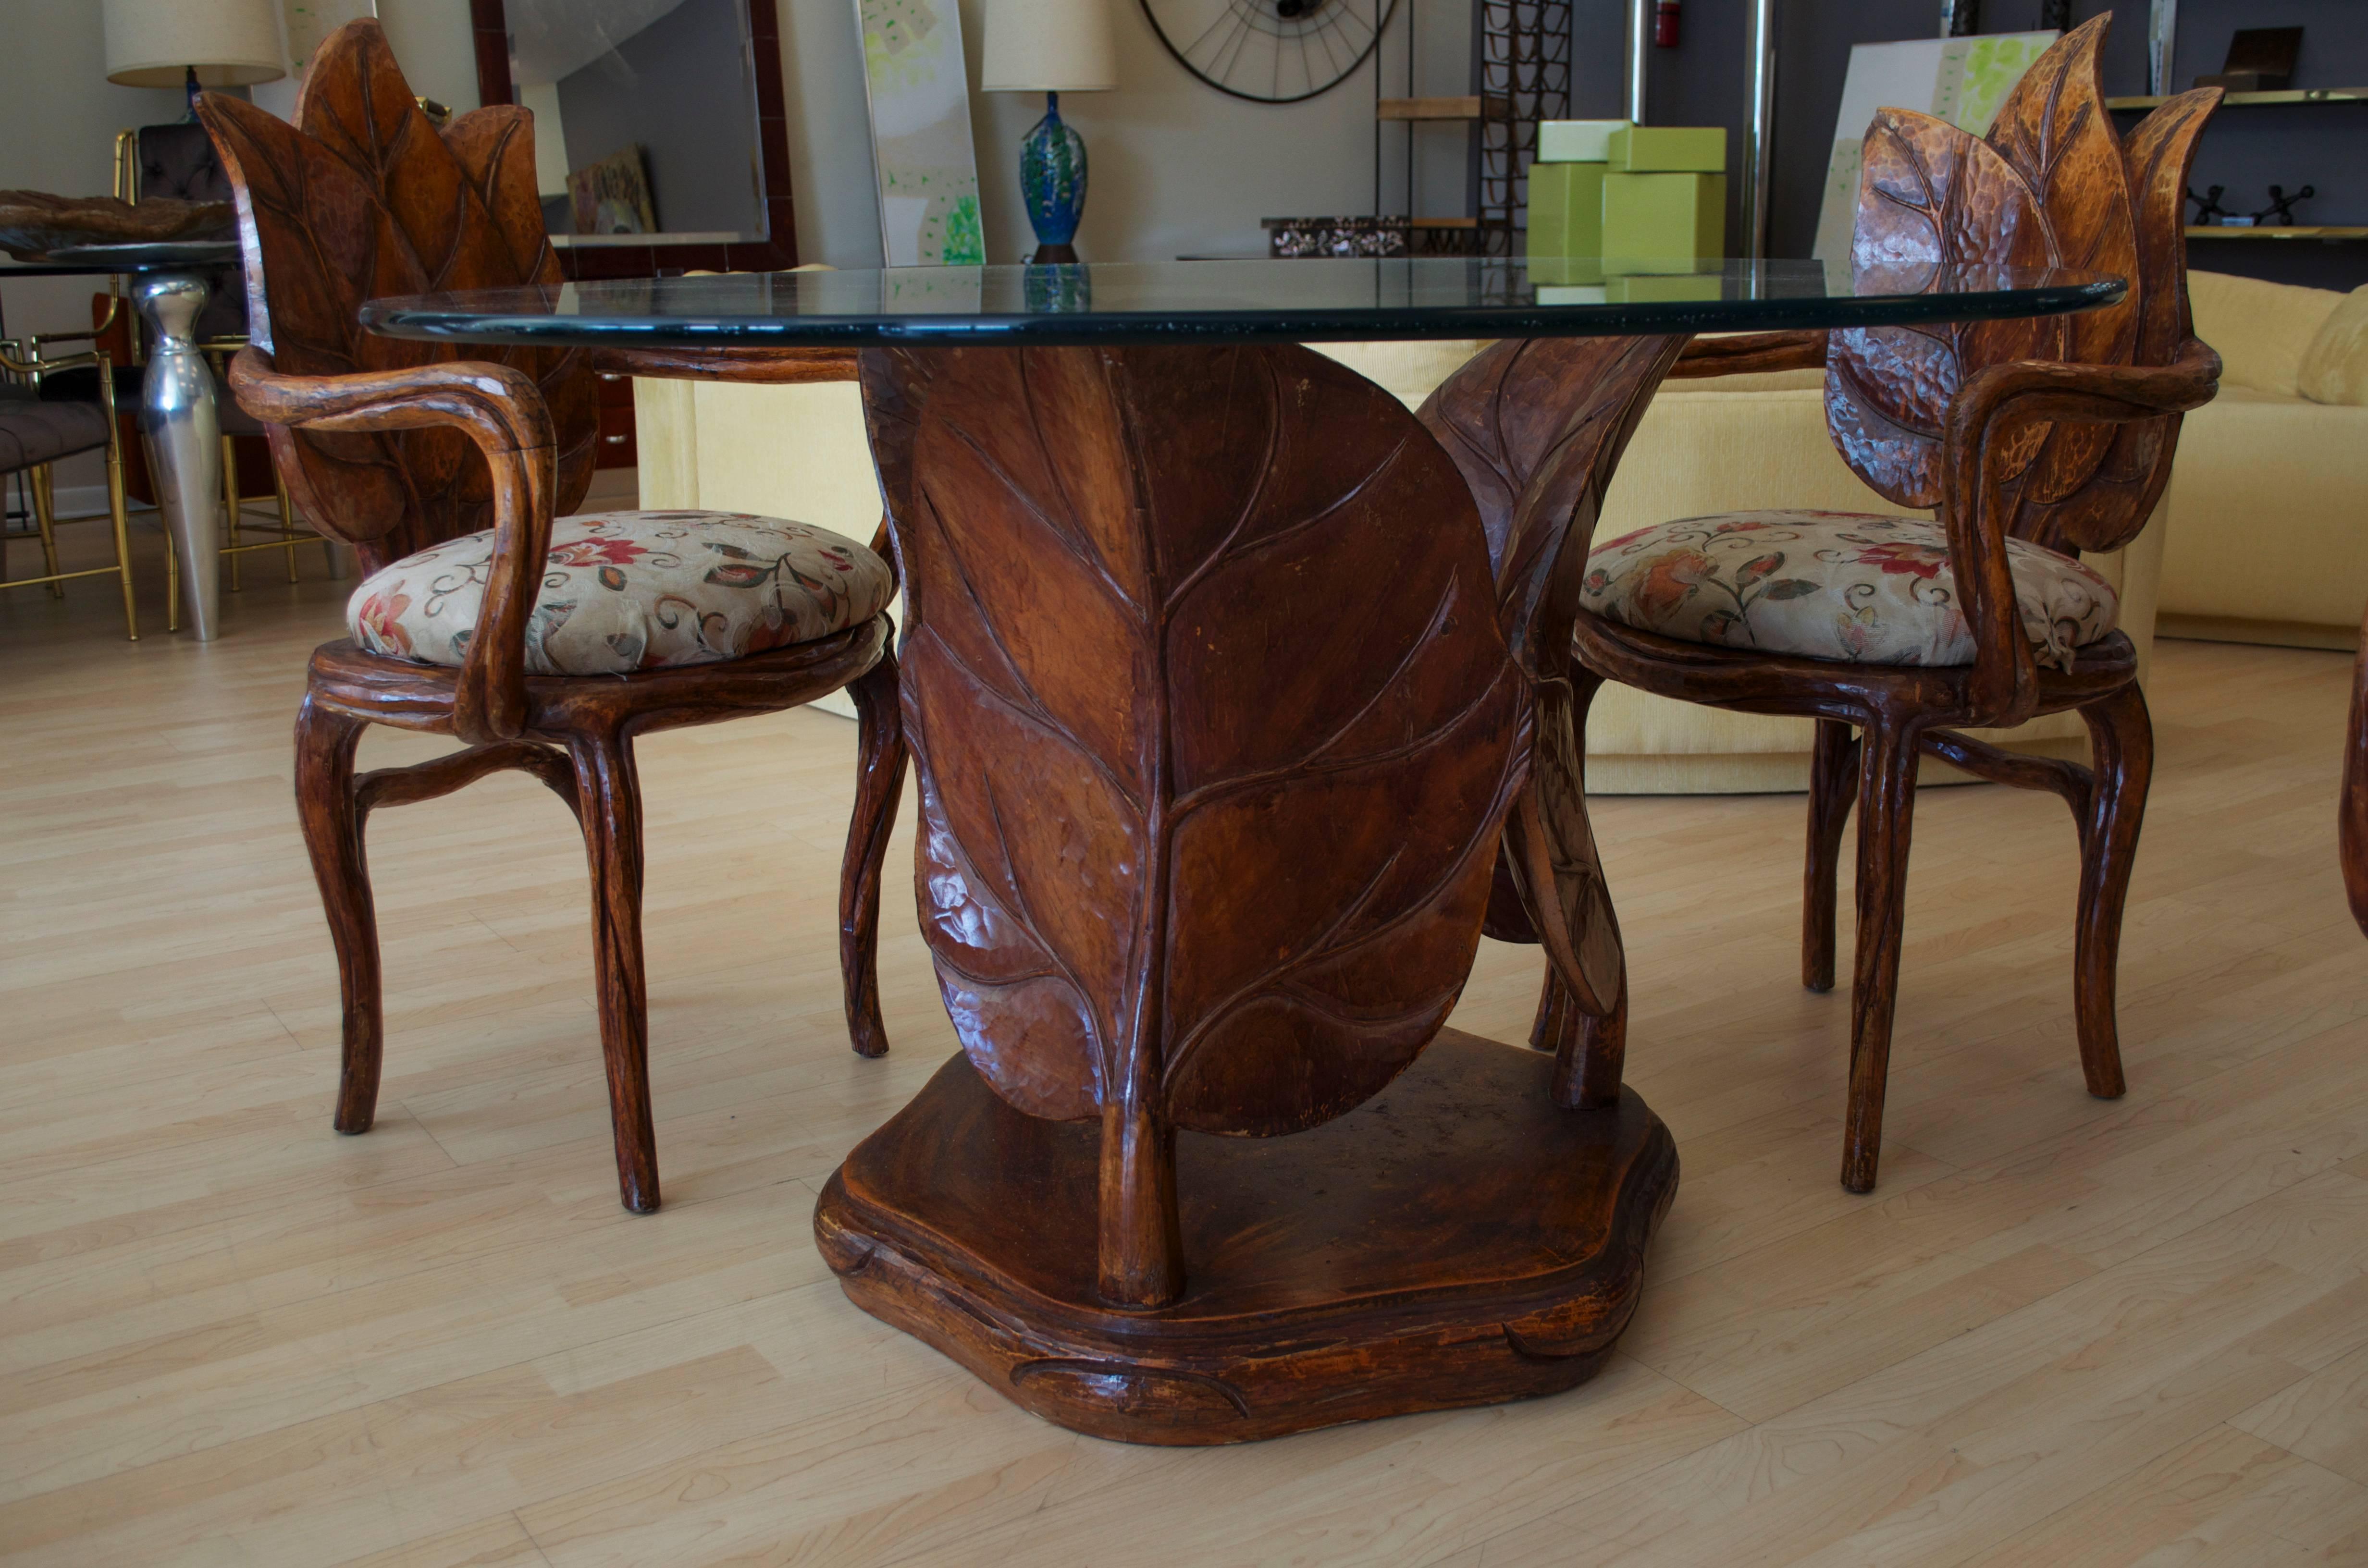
(1744, 353)
(1988, 413)
(763, 366)
(503, 412)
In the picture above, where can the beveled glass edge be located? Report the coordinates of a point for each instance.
(443, 318)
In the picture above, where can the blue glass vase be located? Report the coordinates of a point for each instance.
(1052, 182)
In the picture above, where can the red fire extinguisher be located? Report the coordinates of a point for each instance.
(1664, 24)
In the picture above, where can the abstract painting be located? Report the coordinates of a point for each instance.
(1961, 80)
(918, 91)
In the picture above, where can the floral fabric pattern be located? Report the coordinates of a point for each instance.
(625, 591)
(1832, 586)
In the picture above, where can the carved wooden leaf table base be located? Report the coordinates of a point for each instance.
(1240, 699)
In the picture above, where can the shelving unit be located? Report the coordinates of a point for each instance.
(2328, 231)
(2245, 100)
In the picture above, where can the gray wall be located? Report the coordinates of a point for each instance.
(678, 88)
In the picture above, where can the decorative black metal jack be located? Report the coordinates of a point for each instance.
(2279, 213)
(2208, 211)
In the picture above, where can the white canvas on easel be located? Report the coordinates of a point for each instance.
(1961, 80)
(919, 90)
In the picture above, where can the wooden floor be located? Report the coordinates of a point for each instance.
(2063, 1331)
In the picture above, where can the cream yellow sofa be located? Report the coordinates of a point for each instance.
(2269, 499)
(1709, 446)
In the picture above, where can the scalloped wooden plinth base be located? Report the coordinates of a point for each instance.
(1457, 1240)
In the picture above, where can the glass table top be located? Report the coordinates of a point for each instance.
(168, 255)
(1216, 301)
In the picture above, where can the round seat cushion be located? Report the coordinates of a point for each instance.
(624, 591)
(1837, 585)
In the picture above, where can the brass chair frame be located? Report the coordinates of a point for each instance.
(42, 486)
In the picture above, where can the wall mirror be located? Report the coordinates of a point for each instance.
(661, 142)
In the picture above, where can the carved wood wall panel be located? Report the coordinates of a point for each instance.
(363, 199)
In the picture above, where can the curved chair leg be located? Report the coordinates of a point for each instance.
(332, 819)
(880, 781)
(2121, 739)
(1833, 762)
(611, 795)
(1887, 809)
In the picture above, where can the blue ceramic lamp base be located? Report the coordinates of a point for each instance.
(1053, 183)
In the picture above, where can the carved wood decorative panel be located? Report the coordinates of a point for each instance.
(2062, 191)
(1537, 428)
(1213, 724)
(363, 199)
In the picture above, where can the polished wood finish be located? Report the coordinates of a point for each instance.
(1473, 1243)
(1537, 430)
(1203, 876)
(394, 447)
(2057, 430)
(2351, 810)
(777, 250)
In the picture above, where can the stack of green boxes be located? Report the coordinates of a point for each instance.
(1626, 211)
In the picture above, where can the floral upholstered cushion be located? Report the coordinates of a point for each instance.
(1832, 586)
(633, 591)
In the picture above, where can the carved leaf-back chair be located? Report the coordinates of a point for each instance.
(544, 647)
(2035, 440)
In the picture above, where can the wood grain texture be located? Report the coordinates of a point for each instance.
(2050, 1336)
(362, 198)
(1537, 430)
(1120, 713)
(2058, 431)
(2351, 808)
(396, 447)
(1473, 1243)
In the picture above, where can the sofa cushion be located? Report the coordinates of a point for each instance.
(626, 591)
(1843, 585)
(2336, 369)
(2261, 329)
(1407, 371)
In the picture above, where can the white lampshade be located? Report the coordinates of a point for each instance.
(233, 43)
(1049, 46)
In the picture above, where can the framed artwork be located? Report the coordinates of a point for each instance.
(1961, 80)
(612, 196)
(918, 93)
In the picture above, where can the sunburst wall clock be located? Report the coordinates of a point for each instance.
(1273, 52)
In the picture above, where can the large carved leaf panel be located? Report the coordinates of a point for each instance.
(361, 200)
(1936, 208)
(1215, 727)
(2054, 130)
(1537, 427)
(2129, 482)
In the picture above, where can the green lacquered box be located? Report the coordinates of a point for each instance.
(1670, 149)
(1577, 141)
(1565, 210)
(1665, 289)
(1566, 269)
(1662, 222)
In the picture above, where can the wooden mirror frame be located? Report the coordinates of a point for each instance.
(489, 24)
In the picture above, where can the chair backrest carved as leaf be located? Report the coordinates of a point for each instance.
(2051, 186)
(363, 198)
(1213, 724)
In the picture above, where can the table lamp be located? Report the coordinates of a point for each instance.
(1051, 47)
(193, 43)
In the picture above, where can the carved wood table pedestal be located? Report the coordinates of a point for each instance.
(1457, 1240)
